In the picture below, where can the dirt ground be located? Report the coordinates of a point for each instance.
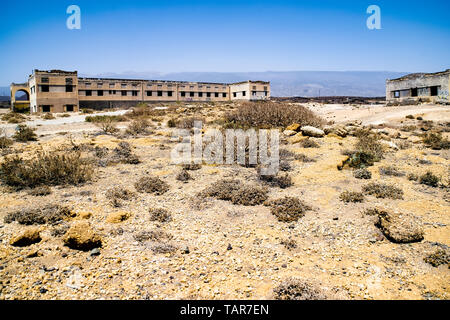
(227, 251)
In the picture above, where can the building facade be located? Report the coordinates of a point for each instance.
(425, 87)
(64, 91)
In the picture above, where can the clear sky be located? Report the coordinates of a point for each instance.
(228, 35)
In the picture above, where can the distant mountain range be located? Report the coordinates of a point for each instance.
(283, 84)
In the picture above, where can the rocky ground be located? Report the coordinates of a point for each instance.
(108, 248)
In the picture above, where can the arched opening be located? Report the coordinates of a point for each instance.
(22, 95)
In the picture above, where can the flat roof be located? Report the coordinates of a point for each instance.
(418, 75)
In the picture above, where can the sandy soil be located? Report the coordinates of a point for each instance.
(235, 252)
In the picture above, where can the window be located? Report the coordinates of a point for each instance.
(208, 94)
(434, 91)
(265, 88)
(69, 80)
(224, 95)
(99, 84)
(183, 94)
(200, 94)
(253, 93)
(414, 92)
(112, 91)
(244, 93)
(160, 93)
(112, 85)
(44, 79)
(124, 93)
(88, 84)
(88, 93)
(149, 93)
(396, 94)
(191, 94)
(265, 93)
(124, 85)
(234, 94)
(216, 95)
(69, 108)
(45, 88)
(254, 87)
(46, 108)
(100, 93)
(134, 93)
(69, 88)
(169, 93)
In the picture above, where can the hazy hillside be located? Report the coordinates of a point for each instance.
(283, 84)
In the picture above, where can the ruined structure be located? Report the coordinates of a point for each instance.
(424, 87)
(64, 91)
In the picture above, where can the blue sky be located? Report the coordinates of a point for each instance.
(180, 36)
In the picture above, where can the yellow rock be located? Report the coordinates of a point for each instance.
(297, 138)
(26, 238)
(117, 217)
(81, 236)
(84, 215)
(294, 127)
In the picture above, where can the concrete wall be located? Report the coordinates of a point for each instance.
(49, 91)
(415, 87)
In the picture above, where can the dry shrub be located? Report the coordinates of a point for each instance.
(309, 143)
(391, 171)
(45, 169)
(143, 110)
(382, 190)
(107, 124)
(13, 117)
(298, 289)
(374, 212)
(138, 127)
(150, 184)
(40, 191)
(289, 243)
(368, 150)
(413, 177)
(183, 176)
(435, 141)
(163, 248)
(188, 123)
(24, 134)
(362, 174)
(152, 235)
(117, 195)
(249, 196)
(349, 196)
(160, 215)
(222, 189)
(5, 142)
(288, 209)
(192, 166)
(440, 256)
(124, 154)
(48, 214)
(281, 181)
(429, 179)
(270, 114)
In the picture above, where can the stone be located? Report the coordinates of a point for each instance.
(118, 217)
(95, 252)
(294, 127)
(26, 238)
(389, 144)
(229, 247)
(81, 236)
(400, 227)
(297, 138)
(289, 133)
(310, 131)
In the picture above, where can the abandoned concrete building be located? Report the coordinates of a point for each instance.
(424, 87)
(63, 91)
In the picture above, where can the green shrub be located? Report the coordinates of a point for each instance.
(45, 169)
